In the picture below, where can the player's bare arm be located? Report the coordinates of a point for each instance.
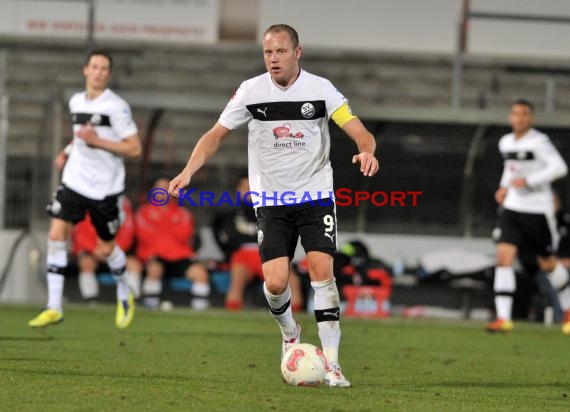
(128, 147)
(208, 144)
(59, 161)
(366, 144)
(61, 158)
(500, 195)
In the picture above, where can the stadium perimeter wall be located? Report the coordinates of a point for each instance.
(25, 280)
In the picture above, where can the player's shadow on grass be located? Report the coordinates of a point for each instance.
(206, 333)
(14, 359)
(143, 376)
(26, 338)
(498, 385)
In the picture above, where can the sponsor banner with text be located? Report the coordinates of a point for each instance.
(178, 21)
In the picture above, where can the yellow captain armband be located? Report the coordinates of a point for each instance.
(342, 115)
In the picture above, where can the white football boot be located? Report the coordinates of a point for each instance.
(286, 345)
(335, 378)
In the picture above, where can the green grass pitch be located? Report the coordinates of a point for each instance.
(218, 361)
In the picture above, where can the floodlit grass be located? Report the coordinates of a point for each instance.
(219, 361)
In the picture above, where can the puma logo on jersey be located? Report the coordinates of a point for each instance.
(331, 237)
(263, 112)
(333, 314)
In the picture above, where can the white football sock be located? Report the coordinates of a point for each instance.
(117, 262)
(327, 313)
(504, 286)
(559, 279)
(134, 280)
(280, 309)
(56, 262)
(55, 291)
(151, 289)
(564, 298)
(88, 285)
(200, 295)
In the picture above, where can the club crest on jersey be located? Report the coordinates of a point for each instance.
(54, 207)
(95, 119)
(307, 110)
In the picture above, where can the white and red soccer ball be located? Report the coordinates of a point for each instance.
(304, 365)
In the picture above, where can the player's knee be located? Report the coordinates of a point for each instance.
(320, 266)
(501, 261)
(276, 285)
(197, 273)
(134, 265)
(320, 274)
(57, 233)
(154, 270)
(504, 258)
(87, 263)
(56, 236)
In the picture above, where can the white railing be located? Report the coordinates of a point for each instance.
(462, 43)
(3, 131)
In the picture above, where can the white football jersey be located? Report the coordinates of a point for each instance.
(288, 140)
(91, 172)
(533, 157)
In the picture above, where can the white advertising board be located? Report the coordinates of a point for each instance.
(180, 21)
(424, 26)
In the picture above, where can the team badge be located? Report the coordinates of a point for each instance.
(95, 120)
(54, 207)
(307, 110)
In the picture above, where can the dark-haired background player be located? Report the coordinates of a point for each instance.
(93, 179)
(531, 164)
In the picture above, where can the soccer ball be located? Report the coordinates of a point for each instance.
(304, 365)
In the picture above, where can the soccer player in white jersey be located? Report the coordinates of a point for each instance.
(531, 163)
(93, 179)
(287, 111)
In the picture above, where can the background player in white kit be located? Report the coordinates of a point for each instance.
(531, 163)
(93, 178)
(287, 112)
